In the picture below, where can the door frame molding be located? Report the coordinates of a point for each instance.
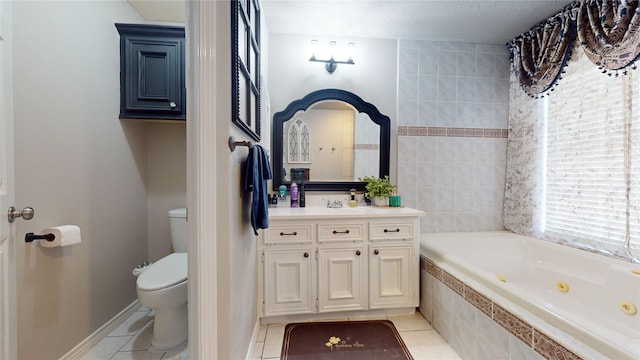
(8, 297)
(201, 178)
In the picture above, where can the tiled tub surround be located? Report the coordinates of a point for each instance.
(496, 306)
(453, 104)
(457, 181)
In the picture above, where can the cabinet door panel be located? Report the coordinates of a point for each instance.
(152, 72)
(155, 70)
(341, 279)
(288, 281)
(390, 276)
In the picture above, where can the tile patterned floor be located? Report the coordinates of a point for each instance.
(423, 341)
(130, 340)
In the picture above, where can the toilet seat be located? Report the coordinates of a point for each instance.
(166, 272)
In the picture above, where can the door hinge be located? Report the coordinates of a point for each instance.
(316, 254)
(263, 257)
(317, 305)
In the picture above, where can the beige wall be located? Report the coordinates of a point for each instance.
(166, 181)
(77, 163)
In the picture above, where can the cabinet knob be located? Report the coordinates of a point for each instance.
(172, 104)
(376, 251)
(306, 255)
(358, 252)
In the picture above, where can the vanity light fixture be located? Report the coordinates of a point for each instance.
(331, 64)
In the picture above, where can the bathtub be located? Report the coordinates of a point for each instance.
(553, 298)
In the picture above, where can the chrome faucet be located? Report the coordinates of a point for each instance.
(335, 204)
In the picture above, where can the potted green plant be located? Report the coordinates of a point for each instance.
(378, 189)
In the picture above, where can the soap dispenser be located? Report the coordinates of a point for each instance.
(352, 198)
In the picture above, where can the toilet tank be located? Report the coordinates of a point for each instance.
(179, 230)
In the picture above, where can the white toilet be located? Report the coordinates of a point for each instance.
(162, 286)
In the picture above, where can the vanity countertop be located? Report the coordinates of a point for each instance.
(343, 212)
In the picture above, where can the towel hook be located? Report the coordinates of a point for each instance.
(233, 143)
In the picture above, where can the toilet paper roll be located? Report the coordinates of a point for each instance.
(65, 235)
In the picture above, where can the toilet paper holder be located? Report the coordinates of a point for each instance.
(29, 237)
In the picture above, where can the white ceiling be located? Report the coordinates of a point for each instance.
(478, 21)
(466, 21)
(173, 10)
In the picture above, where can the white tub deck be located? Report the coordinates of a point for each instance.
(534, 275)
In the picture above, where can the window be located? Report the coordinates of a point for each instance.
(592, 177)
(298, 143)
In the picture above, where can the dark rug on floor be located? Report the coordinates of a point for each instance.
(353, 340)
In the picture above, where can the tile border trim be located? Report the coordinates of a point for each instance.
(366, 146)
(452, 132)
(531, 336)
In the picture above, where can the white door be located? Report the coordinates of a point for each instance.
(8, 319)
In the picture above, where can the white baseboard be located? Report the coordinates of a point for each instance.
(85, 345)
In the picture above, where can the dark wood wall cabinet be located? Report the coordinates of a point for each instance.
(152, 72)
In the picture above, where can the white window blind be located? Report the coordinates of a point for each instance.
(634, 166)
(591, 162)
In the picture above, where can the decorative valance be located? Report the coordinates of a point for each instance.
(539, 55)
(608, 30)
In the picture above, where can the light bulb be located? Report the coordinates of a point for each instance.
(350, 47)
(314, 48)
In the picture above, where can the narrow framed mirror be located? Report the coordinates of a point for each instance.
(245, 63)
(329, 139)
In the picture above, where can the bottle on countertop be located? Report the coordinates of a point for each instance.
(293, 194)
(282, 196)
(302, 201)
(282, 193)
(352, 198)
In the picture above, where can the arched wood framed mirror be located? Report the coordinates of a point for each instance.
(348, 139)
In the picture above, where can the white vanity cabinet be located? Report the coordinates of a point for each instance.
(319, 261)
(391, 261)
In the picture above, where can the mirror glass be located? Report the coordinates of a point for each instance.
(329, 139)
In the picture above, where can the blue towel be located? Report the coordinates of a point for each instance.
(257, 172)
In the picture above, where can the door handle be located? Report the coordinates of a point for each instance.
(26, 213)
